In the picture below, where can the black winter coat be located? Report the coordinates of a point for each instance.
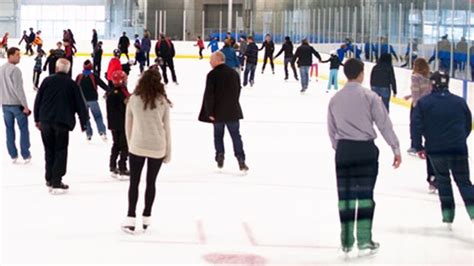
(269, 47)
(87, 86)
(116, 108)
(383, 75)
(304, 55)
(58, 100)
(252, 53)
(221, 97)
(287, 48)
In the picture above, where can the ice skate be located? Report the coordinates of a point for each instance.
(124, 174)
(104, 137)
(28, 160)
(243, 167)
(59, 189)
(128, 226)
(114, 173)
(368, 249)
(449, 226)
(411, 151)
(220, 161)
(14, 160)
(146, 222)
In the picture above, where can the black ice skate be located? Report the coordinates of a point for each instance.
(124, 174)
(220, 161)
(114, 172)
(243, 167)
(128, 225)
(59, 189)
(146, 222)
(369, 248)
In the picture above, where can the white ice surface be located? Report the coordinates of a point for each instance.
(283, 212)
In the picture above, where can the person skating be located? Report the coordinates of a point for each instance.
(165, 49)
(97, 58)
(269, 47)
(214, 44)
(149, 137)
(95, 40)
(69, 55)
(420, 87)
(287, 48)
(333, 70)
(123, 44)
(231, 59)
(114, 65)
(58, 100)
(445, 122)
(15, 106)
(222, 108)
(37, 69)
(4, 42)
(116, 105)
(24, 38)
(251, 60)
(38, 42)
(231, 39)
(382, 79)
(31, 39)
(140, 57)
(71, 40)
(242, 49)
(304, 55)
(88, 82)
(54, 55)
(146, 46)
(200, 45)
(351, 115)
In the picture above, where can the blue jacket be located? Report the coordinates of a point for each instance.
(214, 44)
(146, 44)
(444, 120)
(231, 59)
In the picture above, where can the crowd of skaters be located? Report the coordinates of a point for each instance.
(350, 126)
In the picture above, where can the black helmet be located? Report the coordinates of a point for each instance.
(117, 52)
(440, 80)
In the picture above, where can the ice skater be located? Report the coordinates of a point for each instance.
(149, 137)
(15, 106)
(333, 70)
(116, 105)
(269, 47)
(351, 115)
(221, 107)
(165, 50)
(445, 122)
(200, 45)
(124, 43)
(88, 82)
(382, 79)
(214, 44)
(251, 60)
(37, 69)
(304, 56)
(420, 87)
(287, 48)
(58, 100)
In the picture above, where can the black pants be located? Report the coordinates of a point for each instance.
(55, 140)
(168, 62)
(429, 168)
(357, 170)
(288, 60)
(36, 77)
(29, 48)
(119, 148)
(458, 165)
(200, 52)
(97, 67)
(265, 59)
(124, 51)
(136, 167)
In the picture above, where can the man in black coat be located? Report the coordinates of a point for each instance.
(304, 55)
(251, 60)
(222, 108)
(164, 49)
(288, 49)
(269, 47)
(123, 45)
(444, 121)
(58, 100)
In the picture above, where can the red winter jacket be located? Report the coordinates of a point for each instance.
(114, 65)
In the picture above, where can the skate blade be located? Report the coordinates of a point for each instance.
(128, 231)
(367, 252)
(123, 178)
(54, 191)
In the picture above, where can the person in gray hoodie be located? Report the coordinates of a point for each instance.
(14, 105)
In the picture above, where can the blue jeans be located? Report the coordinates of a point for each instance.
(385, 93)
(10, 113)
(249, 68)
(234, 130)
(333, 79)
(458, 166)
(95, 109)
(304, 74)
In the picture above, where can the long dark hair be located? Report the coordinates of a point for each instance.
(150, 88)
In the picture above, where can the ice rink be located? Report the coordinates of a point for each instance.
(283, 212)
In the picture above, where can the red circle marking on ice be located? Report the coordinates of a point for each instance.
(241, 259)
